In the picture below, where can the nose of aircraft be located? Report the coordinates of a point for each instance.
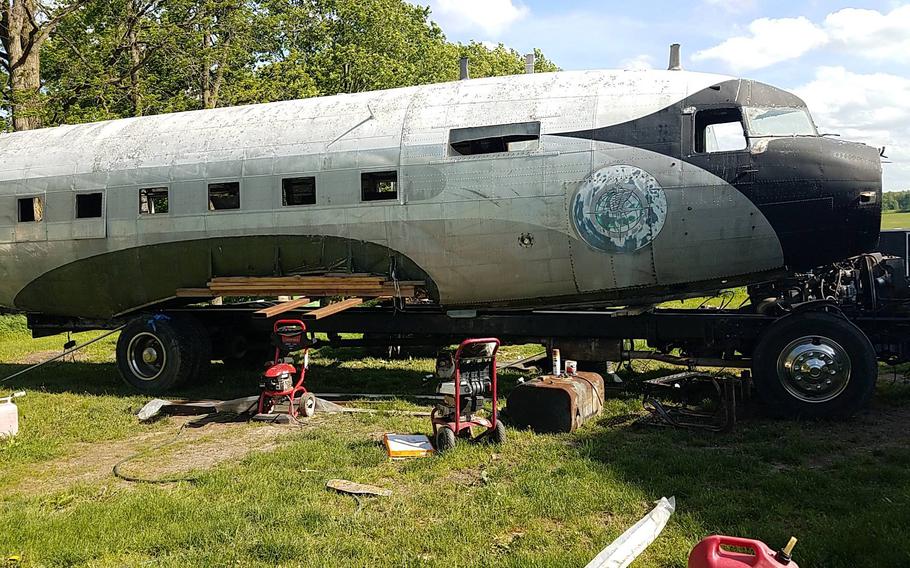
(822, 196)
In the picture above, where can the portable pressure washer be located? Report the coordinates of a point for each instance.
(473, 373)
(281, 381)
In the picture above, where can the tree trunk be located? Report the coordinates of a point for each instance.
(135, 65)
(207, 95)
(24, 27)
(23, 43)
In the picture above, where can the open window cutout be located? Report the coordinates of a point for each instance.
(89, 205)
(719, 130)
(153, 201)
(298, 191)
(224, 196)
(31, 209)
(376, 186)
(518, 137)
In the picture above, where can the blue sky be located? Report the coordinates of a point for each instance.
(850, 61)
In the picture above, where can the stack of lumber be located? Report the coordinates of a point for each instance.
(363, 286)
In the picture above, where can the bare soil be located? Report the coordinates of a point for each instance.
(195, 449)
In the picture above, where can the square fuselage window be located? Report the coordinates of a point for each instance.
(31, 209)
(89, 205)
(153, 201)
(298, 191)
(224, 196)
(377, 186)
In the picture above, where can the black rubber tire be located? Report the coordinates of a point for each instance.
(306, 406)
(858, 348)
(498, 434)
(200, 339)
(180, 362)
(445, 439)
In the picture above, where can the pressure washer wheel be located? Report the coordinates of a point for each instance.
(306, 405)
(156, 353)
(445, 439)
(498, 434)
(815, 364)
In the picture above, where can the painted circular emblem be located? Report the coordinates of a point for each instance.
(619, 209)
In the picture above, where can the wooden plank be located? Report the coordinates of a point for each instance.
(332, 309)
(404, 293)
(194, 293)
(283, 308)
(295, 279)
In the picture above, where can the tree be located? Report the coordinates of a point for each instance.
(24, 27)
(121, 58)
(500, 60)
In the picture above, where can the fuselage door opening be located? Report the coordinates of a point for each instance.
(715, 139)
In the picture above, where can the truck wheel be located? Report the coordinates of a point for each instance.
(815, 365)
(155, 354)
(198, 335)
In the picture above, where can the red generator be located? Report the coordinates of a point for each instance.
(281, 381)
(473, 374)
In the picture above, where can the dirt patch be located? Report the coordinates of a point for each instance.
(195, 449)
(42, 356)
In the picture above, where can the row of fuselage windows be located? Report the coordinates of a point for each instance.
(222, 196)
(374, 186)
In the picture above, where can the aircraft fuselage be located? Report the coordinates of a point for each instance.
(537, 190)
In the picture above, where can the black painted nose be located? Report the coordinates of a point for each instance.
(822, 196)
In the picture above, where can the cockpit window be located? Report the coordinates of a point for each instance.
(719, 130)
(764, 122)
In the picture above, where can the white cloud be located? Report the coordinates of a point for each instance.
(641, 62)
(769, 41)
(859, 32)
(868, 108)
(489, 16)
(871, 34)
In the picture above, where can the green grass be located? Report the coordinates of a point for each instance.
(895, 220)
(538, 500)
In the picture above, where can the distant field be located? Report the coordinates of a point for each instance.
(894, 220)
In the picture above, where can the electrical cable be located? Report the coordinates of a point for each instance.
(62, 355)
(161, 481)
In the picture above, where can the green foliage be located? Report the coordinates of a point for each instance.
(896, 201)
(5, 123)
(123, 58)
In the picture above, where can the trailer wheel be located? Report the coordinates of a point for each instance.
(201, 341)
(155, 354)
(816, 365)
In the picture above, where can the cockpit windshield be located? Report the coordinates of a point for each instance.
(778, 121)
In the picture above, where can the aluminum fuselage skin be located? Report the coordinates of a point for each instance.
(508, 229)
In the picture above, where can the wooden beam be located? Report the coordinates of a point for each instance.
(194, 293)
(332, 309)
(282, 308)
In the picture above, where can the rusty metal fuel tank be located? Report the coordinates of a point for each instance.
(556, 403)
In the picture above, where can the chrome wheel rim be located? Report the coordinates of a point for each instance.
(814, 369)
(146, 356)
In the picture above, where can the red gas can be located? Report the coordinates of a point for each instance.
(710, 553)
